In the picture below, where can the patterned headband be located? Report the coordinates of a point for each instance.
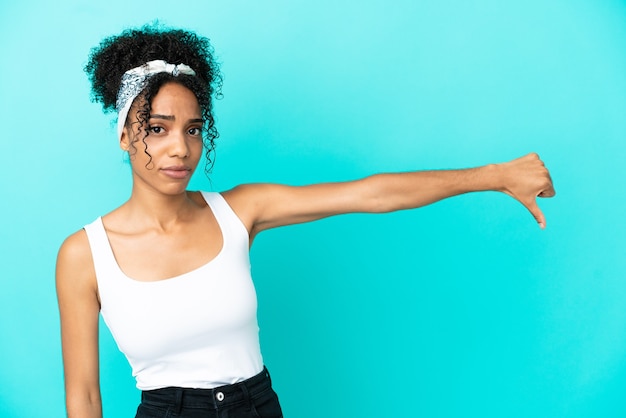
(136, 79)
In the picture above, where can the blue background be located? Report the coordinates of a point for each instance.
(461, 309)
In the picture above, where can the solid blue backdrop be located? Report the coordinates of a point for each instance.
(461, 309)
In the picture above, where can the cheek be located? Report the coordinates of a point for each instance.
(142, 152)
(137, 150)
(197, 147)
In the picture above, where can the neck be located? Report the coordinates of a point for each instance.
(156, 210)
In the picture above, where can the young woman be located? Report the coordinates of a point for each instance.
(169, 269)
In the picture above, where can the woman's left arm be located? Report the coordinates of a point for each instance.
(265, 206)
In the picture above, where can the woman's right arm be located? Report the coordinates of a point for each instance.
(79, 308)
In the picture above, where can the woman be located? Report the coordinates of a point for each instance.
(169, 269)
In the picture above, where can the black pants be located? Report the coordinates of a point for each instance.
(252, 398)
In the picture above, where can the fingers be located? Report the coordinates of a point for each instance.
(547, 188)
(536, 212)
(549, 192)
(527, 179)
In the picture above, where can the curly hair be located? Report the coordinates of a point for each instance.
(134, 47)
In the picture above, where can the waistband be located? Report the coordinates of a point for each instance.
(209, 398)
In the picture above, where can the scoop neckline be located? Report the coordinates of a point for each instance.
(179, 276)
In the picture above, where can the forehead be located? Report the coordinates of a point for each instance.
(173, 99)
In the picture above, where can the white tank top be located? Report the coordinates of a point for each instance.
(196, 330)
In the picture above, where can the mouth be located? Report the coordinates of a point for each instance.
(177, 172)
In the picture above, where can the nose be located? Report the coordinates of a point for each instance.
(178, 145)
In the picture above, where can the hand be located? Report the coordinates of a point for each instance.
(525, 179)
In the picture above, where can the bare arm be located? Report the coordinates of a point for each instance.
(264, 206)
(79, 308)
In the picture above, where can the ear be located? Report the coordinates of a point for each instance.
(125, 140)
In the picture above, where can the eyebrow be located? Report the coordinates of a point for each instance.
(166, 117)
(171, 117)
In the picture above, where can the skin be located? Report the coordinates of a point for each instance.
(154, 234)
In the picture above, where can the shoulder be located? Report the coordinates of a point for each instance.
(248, 194)
(75, 266)
(244, 201)
(75, 248)
(245, 196)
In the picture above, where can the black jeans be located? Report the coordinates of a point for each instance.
(252, 398)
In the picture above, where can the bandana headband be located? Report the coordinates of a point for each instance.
(136, 79)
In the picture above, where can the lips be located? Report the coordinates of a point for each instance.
(177, 171)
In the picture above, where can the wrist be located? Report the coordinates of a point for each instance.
(503, 178)
(493, 177)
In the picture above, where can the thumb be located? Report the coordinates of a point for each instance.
(534, 210)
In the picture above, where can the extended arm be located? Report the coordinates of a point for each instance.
(264, 206)
(79, 308)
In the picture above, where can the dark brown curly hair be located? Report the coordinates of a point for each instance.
(134, 47)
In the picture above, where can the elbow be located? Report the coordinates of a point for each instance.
(88, 405)
(377, 195)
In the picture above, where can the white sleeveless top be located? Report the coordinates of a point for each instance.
(196, 330)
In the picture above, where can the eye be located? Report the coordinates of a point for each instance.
(155, 129)
(196, 131)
